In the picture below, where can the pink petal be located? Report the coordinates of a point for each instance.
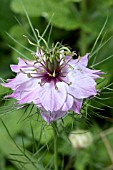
(68, 103)
(82, 86)
(21, 81)
(30, 96)
(17, 95)
(13, 83)
(16, 68)
(83, 60)
(24, 95)
(91, 73)
(77, 105)
(49, 116)
(51, 98)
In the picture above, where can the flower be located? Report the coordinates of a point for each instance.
(53, 81)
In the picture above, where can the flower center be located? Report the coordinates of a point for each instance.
(53, 71)
(50, 65)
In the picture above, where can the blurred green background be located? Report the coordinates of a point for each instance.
(76, 23)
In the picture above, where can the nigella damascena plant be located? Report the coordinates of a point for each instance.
(54, 82)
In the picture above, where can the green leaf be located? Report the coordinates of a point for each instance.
(6, 16)
(65, 14)
(10, 126)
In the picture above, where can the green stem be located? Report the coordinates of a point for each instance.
(55, 147)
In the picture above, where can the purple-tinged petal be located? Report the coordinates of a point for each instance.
(16, 68)
(86, 71)
(15, 82)
(52, 98)
(30, 96)
(68, 103)
(77, 105)
(17, 95)
(21, 62)
(95, 73)
(28, 69)
(49, 116)
(23, 65)
(46, 115)
(24, 95)
(22, 82)
(82, 86)
(83, 60)
(36, 101)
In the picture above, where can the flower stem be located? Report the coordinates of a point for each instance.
(55, 147)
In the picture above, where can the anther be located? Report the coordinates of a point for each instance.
(69, 83)
(22, 71)
(71, 67)
(28, 75)
(56, 87)
(53, 74)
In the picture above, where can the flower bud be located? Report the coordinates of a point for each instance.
(80, 138)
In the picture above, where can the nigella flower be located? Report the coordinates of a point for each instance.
(53, 81)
